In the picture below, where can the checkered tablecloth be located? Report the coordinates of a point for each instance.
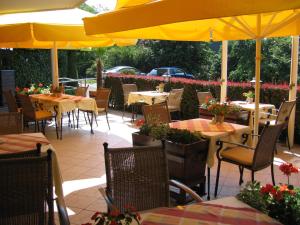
(205, 213)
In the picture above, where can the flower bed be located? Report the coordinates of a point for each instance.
(270, 93)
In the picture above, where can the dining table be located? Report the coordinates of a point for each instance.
(65, 104)
(227, 210)
(214, 132)
(147, 97)
(13, 143)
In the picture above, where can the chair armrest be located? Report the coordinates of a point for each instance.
(233, 143)
(188, 190)
(106, 198)
(62, 213)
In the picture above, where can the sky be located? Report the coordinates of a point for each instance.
(110, 4)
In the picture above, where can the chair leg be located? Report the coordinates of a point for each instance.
(252, 175)
(272, 173)
(85, 117)
(61, 126)
(77, 118)
(107, 119)
(56, 127)
(96, 119)
(73, 112)
(217, 178)
(288, 140)
(69, 116)
(123, 111)
(241, 168)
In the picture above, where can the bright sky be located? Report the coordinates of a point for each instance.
(110, 4)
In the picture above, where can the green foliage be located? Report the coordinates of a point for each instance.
(182, 136)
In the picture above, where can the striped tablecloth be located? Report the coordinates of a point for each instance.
(214, 212)
(226, 131)
(13, 143)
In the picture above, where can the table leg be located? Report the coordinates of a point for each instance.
(208, 183)
(61, 126)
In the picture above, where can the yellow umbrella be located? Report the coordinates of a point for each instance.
(51, 29)
(16, 6)
(205, 20)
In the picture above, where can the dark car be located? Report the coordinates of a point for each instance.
(170, 71)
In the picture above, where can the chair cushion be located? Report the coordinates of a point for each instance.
(42, 114)
(173, 108)
(240, 155)
(101, 109)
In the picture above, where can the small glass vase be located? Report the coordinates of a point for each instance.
(218, 119)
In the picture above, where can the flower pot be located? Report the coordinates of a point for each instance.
(187, 163)
(144, 140)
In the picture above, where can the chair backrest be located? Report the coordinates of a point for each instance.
(156, 113)
(11, 101)
(11, 123)
(285, 111)
(102, 98)
(127, 88)
(175, 97)
(81, 91)
(202, 97)
(137, 176)
(26, 190)
(264, 151)
(28, 109)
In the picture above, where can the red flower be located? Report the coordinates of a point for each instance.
(115, 213)
(267, 189)
(278, 195)
(139, 123)
(26, 89)
(17, 89)
(95, 215)
(113, 223)
(41, 85)
(288, 168)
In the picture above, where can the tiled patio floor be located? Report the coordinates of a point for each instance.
(81, 160)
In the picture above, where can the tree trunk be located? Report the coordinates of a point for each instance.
(99, 68)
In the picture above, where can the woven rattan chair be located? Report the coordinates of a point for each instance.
(282, 116)
(156, 113)
(102, 100)
(26, 190)
(174, 100)
(127, 88)
(31, 114)
(138, 176)
(203, 96)
(81, 91)
(11, 101)
(254, 159)
(11, 123)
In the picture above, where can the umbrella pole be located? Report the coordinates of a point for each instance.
(257, 88)
(54, 65)
(293, 85)
(224, 71)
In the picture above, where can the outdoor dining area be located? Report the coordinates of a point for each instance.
(150, 151)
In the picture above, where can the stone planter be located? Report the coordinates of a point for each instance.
(187, 163)
(144, 140)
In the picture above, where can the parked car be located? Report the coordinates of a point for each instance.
(170, 71)
(123, 70)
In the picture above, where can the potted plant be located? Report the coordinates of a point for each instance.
(249, 96)
(281, 202)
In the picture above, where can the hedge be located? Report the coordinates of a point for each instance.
(270, 93)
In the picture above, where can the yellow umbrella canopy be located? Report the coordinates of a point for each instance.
(16, 6)
(196, 20)
(42, 29)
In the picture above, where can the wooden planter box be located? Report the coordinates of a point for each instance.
(186, 163)
(144, 140)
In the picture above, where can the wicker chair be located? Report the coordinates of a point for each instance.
(156, 113)
(26, 190)
(202, 97)
(253, 159)
(81, 91)
(282, 116)
(31, 114)
(138, 176)
(11, 101)
(102, 100)
(174, 100)
(11, 123)
(127, 88)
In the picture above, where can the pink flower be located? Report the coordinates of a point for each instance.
(41, 85)
(17, 89)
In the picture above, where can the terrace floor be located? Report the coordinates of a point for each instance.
(81, 160)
